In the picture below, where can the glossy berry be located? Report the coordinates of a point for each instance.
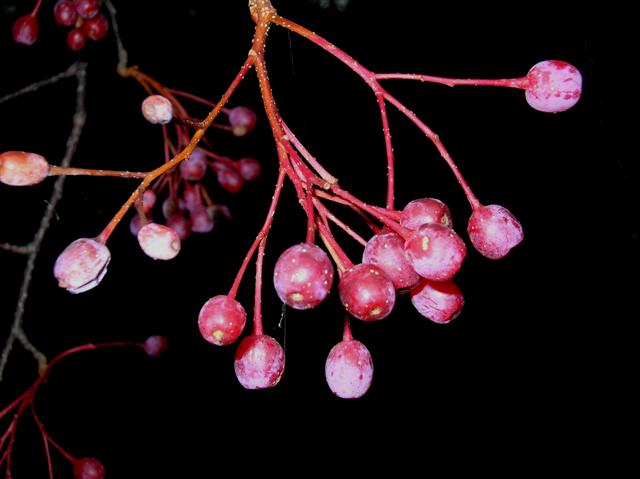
(65, 13)
(554, 86)
(385, 250)
(493, 231)
(25, 30)
(88, 468)
(159, 241)
(229, 178)
(157, 110)
(82, 265)
(87, 8)
(349, 369)
(201, 220)
(435, 252)
(181, 225)
(194, 167)
(154, 346)
(439, 301)
(259, 362)
(20, 168)
(303, 276)
(249, 168)
(96, 28)
(366, 292)
(242, 120)
(76, 39)
(221, 320)
(425, 211)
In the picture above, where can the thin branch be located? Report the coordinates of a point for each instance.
(70, 72)
(123, 55)
(79, 117)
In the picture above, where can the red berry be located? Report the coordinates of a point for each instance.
(249, 168)
(493, 231)
(181, 225)
(25, 30)
(157, 109)
(259, 362)
(88, 468)
(96, 28)
(76, 39)
(349, 369)
(303, 276)
(221, 320)
(194, 167)
(366, 292)
(242, 120)
(439, 301)
(435, 252)
(554, 86)
(154, 346)
(82, 265)
(65, 13)
(385, 250)
(20, 168)
(87, 8)
(425, 211)
(159, 241)
(228, 177)
(201, 220)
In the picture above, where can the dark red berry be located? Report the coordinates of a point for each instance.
(87, 8)
(88, 468)
(65, 13)
(366, 292)
(76, 39)
(25, 30)
(96, 28)
(221, 320)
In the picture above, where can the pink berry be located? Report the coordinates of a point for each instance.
(65, 13)
(136, 224)
(259, 362)
(242, 120)
(181, 225)
(76, 39)
(25, 30)
(157, 110)
(493, 231)
(82, 265)
(228, 177)
(87, 8)
(159, 241)
(20, 168)
(366, 292)
(425, 211)
(88, 468)
(303, 276)
(385, 250)
(194, 167)
(249, 168)
(435, 252)
(439, 301)
(554, 86)
(221, 320)
(148, 200)
(349, 369)
(154, 346)
(201, 220)
(96, 28)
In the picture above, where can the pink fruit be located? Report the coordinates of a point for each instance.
(136, 223)
(366, 292)
(157, 109)
(435, 252)
(259, 362)
(181, 225)
(88, 468)
(249, 168)
(20, 168)
(385, 250)
(221, 320)
(425, 211)
(201, 220)
(154, 346)
(493, 231)
(148, 200)
(349, 369)
(439, 301)
(82, 265)
(159, 241)
(554, 86)
(229, 178)
(25, 30)
(65, 13)
(242, 120)
(194, 167)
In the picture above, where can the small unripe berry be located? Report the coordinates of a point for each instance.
(88, 468)
(20, 168)
(259, 362)
(76, 39)
(157, 110)
(439, 301)
(366, 292)
(242, 120)
(435, 252)
(349, 369)
(221, 320)
(425, 211)
(25, 30)
(159, 241)
(65, 13)
(493, 231)
(554, 86)
(82, 265)
(154, 346)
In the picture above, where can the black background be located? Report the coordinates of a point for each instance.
(528, 356)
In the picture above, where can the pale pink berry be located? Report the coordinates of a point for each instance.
(425, 211)
(82, 265)
(221, 320)
(385, 250)
(259, 362)
(249, 168)
(303, 276)
(201, 220)
(154, 346)
(349, 369)
(439, 301)
(195, 166)
(435, 252)
(159, 241)
(88, 468)
(157, 109)
(20, 168)
(242, 120)
(366, 292)
(553, 86)
(493, 231)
